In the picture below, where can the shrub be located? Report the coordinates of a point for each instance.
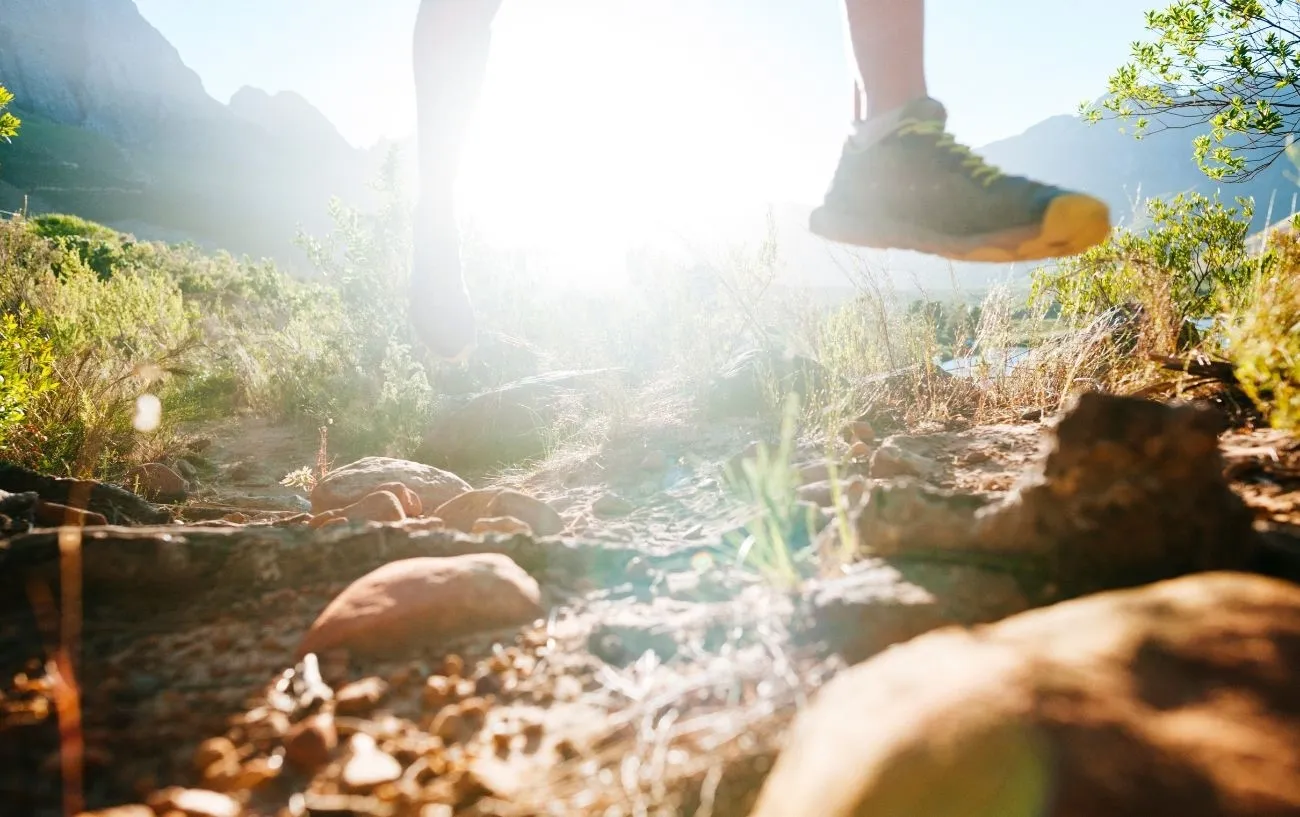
(1190, 260)
(1263, 341)
(26, 370)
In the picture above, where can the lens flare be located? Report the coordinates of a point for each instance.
(148, 413)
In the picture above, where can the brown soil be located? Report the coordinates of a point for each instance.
(660, 682)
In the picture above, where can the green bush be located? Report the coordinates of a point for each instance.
(1184, 266)
(205, 333)
(99, 248)
(26, 369)
(8, 122)
(1263, 339)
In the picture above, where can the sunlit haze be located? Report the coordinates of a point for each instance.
(607, 123)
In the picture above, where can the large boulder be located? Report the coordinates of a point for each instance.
(115, 505)
(875, 605)
(1175, 698)
(157, 483)
(415, 602)
(743, 386)
(509, 423)
(1129, 491)
(344, 486)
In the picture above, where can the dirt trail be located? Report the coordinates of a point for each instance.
(660, 681)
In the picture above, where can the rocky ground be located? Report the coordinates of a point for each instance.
(1092, 614)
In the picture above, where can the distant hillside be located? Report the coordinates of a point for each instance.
(1118, 168)
(118, 129)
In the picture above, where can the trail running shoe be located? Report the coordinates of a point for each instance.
(904, 183)
(439, 307)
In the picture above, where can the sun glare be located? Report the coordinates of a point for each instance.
(604, 126)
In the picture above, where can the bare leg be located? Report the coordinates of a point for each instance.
(452, 41)
(904, 182)
(888, 39)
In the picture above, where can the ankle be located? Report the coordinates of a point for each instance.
(882, 121)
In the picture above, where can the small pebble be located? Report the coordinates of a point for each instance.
(360, 697)
(195, 803)
(369, 768)
(453, 665)
(309, 745)
(213, 751)
(438, 691)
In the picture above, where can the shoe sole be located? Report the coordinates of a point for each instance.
(1073, 223)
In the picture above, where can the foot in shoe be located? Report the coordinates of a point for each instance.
(439, 307)
(904, 183)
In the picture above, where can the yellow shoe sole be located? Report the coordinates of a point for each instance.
(1072, 223)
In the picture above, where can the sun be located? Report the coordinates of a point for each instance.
(602, 127)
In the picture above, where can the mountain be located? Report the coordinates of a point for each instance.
(1118, 168)
(118, 129)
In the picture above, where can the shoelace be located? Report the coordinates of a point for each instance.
(971, 162)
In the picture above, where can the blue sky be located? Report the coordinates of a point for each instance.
(999, 65)
(729, 100)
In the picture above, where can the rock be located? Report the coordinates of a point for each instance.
(368, 766)
(967, 594)
(426, 600)
(121, 811)
(222, 776)
(504, 525)
(257, 773)
(18, 511)
(54, 515)
(1131, 491)
(195, 802)
(188, 471)
(858, 431)
(212, 751)
(246, 472)
(411, 504)
(509, 423)
(462, 512)
(877, 603)
(907, 517)
(156, 482)
(823, 493)
(310, 743)
(611, 505)
(1175, 698)
(424, 523)
(116, 505)
(742, 387)
(379, 506)
(861, 614)
(894, 459)
(814, 472)
(327, 520)
(349, 483)
(860, 451)
(360, 697)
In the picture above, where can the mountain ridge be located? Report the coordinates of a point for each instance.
(119, 129)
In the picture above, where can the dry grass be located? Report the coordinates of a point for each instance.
(691, 744)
